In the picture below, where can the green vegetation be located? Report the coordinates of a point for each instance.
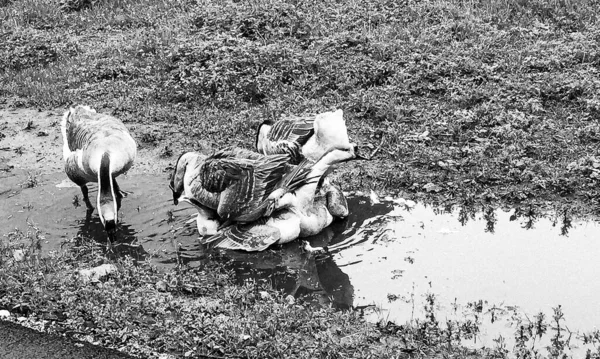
(489, 100)
(191, 312)
(478, 101)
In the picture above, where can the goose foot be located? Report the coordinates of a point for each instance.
(313, 250)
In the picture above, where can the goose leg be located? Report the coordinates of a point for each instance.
(86, 198)
(118, 193)
(336, 201)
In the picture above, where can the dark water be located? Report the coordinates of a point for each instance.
(390, 258)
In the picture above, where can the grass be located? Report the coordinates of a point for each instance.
(189, 311)
(507, 91)
(491, 102)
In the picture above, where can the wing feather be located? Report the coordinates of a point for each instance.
(251, 237)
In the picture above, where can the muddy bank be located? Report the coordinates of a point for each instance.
(31, 142)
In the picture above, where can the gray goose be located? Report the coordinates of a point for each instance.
(299, 213)
(236, 185)
(97, 148)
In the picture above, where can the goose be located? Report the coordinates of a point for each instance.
(301, 213)
(186, 188)
(237, 185)
(307, 137)
(302, 137)
(97, 148)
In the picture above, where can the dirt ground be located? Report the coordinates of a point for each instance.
(31, 144)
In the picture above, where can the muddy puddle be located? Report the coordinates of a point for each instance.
(394, 260)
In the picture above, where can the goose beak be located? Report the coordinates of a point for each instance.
(111, 229)
(176, 195)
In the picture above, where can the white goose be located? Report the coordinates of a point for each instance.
(97, 148)
(308, 137)
(301, 213)
(303, 137)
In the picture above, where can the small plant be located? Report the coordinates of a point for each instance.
(30, 126)
(170, 216)
(149, 137)
(75, 5)
(32, 180)
(166, 152)
(75, 201)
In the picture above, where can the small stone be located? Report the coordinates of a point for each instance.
(18, 255)
(374, 198)
(96, 273)
(4, 313)
(290, 299)
(264, 295)
(161, 286)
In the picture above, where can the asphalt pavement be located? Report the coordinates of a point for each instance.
(19, 342)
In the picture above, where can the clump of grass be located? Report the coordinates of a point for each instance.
(30, 126)
(75, 5)
(32, 180)
(166, 152)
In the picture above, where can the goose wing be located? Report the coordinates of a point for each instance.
(287, 136)
(247, 237)
(251, 184)
(243, 179)
(296, 130)
(83, 125)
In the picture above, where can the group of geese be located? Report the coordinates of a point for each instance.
(245, 200)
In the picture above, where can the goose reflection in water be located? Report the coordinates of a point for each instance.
(300, 273)
(91, 228)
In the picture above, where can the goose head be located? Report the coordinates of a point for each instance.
(344, 153)
(106, 200)
(330, 130)
(177, 183)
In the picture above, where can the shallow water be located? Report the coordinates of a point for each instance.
(389, 258)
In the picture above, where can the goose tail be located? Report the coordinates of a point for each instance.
(64, 126)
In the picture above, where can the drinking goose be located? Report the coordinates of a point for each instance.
(301, 213)
(187, 188)
(97, 148)
(236, 184)
(303, 137)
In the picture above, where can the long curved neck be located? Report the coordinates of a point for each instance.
(304, 195)
(262, 143)
(107, 207)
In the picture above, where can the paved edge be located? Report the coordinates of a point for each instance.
(19, 342)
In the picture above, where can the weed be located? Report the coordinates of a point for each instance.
(31, 181)
(30, 126)
(166, 152)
